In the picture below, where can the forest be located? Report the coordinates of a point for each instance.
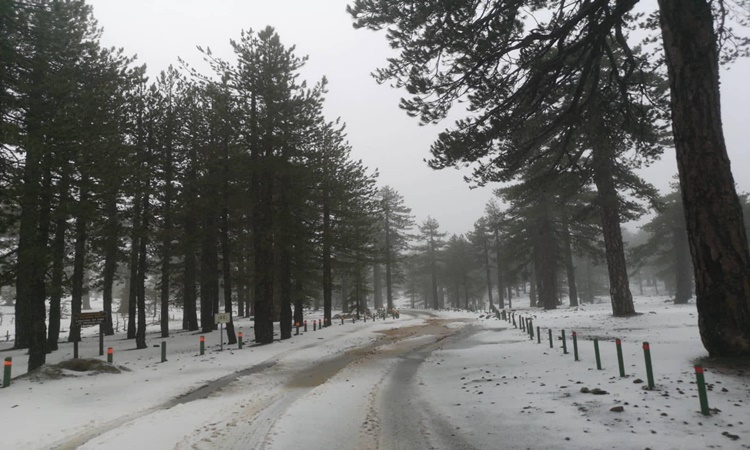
(230, 191)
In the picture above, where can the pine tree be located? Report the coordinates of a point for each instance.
(512, 72)
(396, 221)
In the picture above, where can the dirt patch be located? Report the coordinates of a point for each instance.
(73, 368)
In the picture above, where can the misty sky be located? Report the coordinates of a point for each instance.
(381, 135)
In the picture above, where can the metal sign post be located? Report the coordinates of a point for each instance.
(91, 318)
(221, 319)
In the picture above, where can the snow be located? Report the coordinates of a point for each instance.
(495, 386)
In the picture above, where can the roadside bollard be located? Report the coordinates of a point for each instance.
(239, 340)
(620, 361)
(514, 320)
(163, 351)
(575, 346)
(315, 324)
(305, 322)
(522, 321)
(550, 338)
(702, 395)
(110, 355)
(538, 336)
(531, 329)
(7, 366)
(649, 367)
(342, 319)
(596, 353)
(565, 345)
(296, 326)
(203, 344)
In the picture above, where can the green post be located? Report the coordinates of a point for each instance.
(306, 325)
(110, 355)
(564, 343)
(8, 365)
(514, 320)
(239, 339)
(522, 321)
(531, 329)
(575, 346)
(702, 395)
(203, 345)
(620, 362)
(550, 338)
(596, 353)
(649, 367)
(163, 351)
(538, 335)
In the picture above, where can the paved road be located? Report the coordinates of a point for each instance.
(364, 398)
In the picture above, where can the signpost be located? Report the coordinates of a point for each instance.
(221, 319)
(85, 319)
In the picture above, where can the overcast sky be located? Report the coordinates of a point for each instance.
(382, 135)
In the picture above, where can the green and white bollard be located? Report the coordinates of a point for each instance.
(702, 395)
(7, 366)
(551, 345)
(596, 353)
(649, 367)
(620, 361)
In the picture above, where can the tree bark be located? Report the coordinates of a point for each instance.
(58, 262)
(569, 267)
(682, 263)
(486, 255)
(716, 232)
(327, 270)
(609, 209)
(78, 263)
(140, 333)
(500, 283)
(388, 264)
(111, 231)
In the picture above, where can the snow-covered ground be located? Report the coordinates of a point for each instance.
(497, 387)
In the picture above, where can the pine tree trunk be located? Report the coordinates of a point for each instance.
(715, 226)
(78, 263)
(547, 260)
(486, 254)
(209, 271)
(682, 263)
(264, 263)
(327, 270)
(140, 333)
(377, 287)
(226, 254)
(285, 260)
(110, 260)
(609, 209)
(133, 268)
(569, 267)
(433, 273)
(388, 263)
(58, 262)
(500, 283)
(241, 282)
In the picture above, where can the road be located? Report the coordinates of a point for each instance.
(364, 398)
